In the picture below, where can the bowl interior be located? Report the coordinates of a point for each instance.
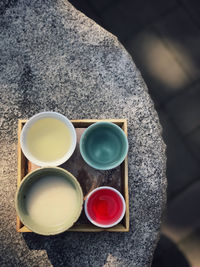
(32, 203)
(48, 139)
(105, 206)
(104, 145)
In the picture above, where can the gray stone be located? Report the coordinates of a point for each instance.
(55, 58)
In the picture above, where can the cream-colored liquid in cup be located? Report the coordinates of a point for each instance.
(48, 139)
(51, 201)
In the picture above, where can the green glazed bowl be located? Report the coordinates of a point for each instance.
(104, 145)
(25, 189)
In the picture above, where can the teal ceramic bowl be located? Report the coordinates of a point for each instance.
(36, 195)
(104, 145)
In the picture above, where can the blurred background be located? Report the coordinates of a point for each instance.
(163, 38)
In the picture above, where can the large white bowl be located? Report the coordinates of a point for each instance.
(24, 190)
(31, 121)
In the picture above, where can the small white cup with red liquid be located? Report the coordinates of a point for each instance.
(105, 207)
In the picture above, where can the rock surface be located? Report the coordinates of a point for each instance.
(54, 58)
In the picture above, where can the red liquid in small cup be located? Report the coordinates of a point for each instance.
(105, 206)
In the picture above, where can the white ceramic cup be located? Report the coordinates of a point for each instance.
(122, 201)
(35, 118)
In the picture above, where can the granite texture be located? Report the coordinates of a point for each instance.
(52, 57)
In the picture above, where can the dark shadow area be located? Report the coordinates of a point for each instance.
(167, 254)
(88, 9)
(71, 249)
(64, 250)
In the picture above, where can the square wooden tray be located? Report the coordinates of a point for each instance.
(24, 166)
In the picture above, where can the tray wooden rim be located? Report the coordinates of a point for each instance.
(83, 227)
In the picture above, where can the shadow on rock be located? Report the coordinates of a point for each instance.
(76, 249)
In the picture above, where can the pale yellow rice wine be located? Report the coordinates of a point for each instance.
(52, 201)
(48, 139)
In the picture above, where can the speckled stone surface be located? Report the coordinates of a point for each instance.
(52, 57)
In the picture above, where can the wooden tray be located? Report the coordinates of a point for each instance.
(87, 177)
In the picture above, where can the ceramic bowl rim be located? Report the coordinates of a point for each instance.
(110, 166)
(80, 192)
(31, 121)
(105, 225)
